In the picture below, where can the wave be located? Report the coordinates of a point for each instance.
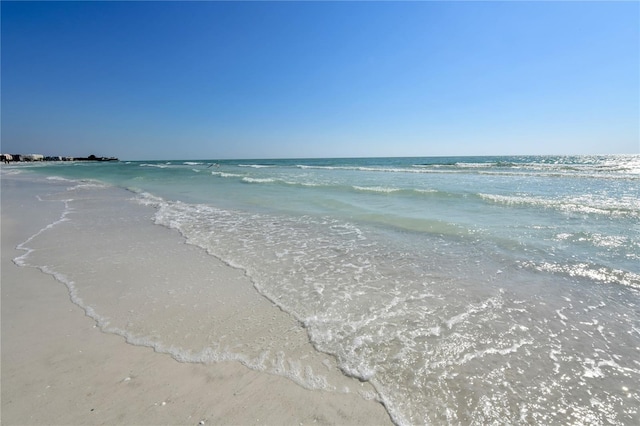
(88, 185)
(586, 164)
(159, 166)
(257, 166)
(79, 183)
(258, 180)
(8, 172)
(492, 169)
(595, 239)
(583, 205)
(585, 270)
(624, 168)
(226, 175)
(394, 190)
(381, 189)
(59, 178)
(364, 168)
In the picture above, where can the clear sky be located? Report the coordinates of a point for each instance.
(176, 80)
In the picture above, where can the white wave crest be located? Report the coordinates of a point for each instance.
(376, 189)
(258, 180)
(585, 270)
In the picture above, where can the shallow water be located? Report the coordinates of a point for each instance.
(466, 290)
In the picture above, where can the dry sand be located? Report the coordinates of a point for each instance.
(58, 367)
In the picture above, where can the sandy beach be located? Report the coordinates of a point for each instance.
(60, 366)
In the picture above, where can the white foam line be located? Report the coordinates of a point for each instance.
(495, 351)
(20, 260)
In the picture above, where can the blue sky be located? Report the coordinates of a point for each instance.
(170, 80)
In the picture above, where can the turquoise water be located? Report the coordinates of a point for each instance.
(465, 289)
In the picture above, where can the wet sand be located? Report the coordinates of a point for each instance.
(59, 366)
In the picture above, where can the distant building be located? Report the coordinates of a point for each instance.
(39, 157)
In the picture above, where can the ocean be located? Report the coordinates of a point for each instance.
(466, 290)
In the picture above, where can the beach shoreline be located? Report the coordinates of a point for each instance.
(59, 367)
(458, 290)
